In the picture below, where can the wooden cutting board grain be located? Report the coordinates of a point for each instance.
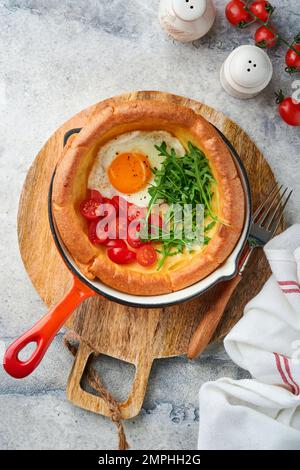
(134, 335)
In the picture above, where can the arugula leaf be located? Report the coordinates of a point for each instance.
(210, 226)
(181, 180)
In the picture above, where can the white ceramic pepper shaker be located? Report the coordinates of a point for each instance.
(186, 20)
(246, 72)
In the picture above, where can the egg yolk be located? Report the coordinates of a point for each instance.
(129, 172)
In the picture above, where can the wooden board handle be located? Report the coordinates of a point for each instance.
(212, 317)
(129, 408)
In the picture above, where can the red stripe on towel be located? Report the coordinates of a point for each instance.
(282, 374)
(287, 368)
(289, 283)
(291, 291)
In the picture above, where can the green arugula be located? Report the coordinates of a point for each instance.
(181, 180)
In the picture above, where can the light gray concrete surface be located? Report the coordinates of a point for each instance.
(57, 57)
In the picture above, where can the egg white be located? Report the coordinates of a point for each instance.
(135, 141)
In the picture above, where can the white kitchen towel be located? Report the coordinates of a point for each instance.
(262, 413)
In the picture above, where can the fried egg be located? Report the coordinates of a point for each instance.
(123, 165)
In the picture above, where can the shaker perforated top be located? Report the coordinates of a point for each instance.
(250, 67)
(189, 10)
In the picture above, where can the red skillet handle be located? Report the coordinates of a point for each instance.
(44, 331)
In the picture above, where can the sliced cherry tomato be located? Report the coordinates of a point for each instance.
(135, 242)
(119, 200)
(265, 38)
(262, 9)
(289, 109)
(117, 228)
(102, 232)
(133, 211)
(107, 209)
(121, 228)
(146, 255)
(88, 209)
(292, 59)
(236, 14)
(121, 255)
(100, 236)
(94, 236)
(136, 212)
(106, 200)
(96, 195)
(115, 244)
(133, 239)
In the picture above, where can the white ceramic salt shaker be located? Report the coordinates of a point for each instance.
(186, 20)
(246, 72)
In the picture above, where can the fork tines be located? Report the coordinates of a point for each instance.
(268, 214)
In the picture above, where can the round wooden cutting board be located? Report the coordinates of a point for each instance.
(134, 335)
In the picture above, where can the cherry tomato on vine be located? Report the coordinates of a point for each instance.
(265, 38)
(236, 13)
(289, 109)
(292, 59)
(262, 9)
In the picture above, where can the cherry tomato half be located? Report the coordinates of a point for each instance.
(113, 202)
(133, 238)
(115, 244)
(93, 235)
(146, 255)
(118, 228)
(136, 212)
(265, 38)
(262, 9)
(96, 195)
(88, 208)
(292, 59)
(121, 255)
(120, 202)
(135, 242)
(236, 13)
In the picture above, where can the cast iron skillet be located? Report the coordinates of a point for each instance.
(43, 332)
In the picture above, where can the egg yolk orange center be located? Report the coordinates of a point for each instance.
(129, 172)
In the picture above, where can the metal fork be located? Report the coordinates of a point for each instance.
(264, 224)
